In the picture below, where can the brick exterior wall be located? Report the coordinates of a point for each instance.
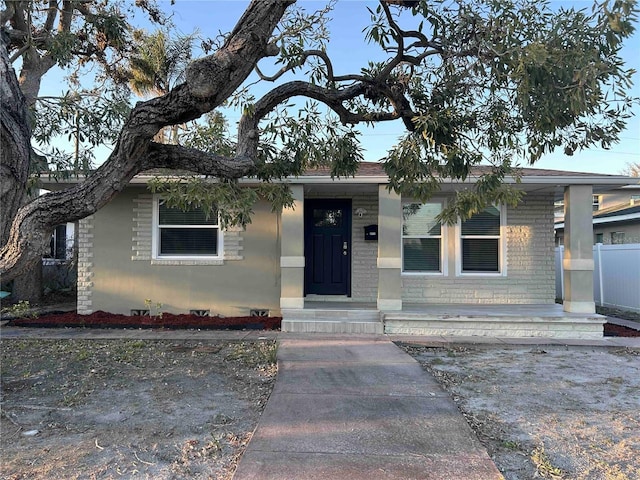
(364, 279)
(142, 227)
(530, 265)
(85, 265)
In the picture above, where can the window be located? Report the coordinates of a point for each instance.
(596, 203)
(421, 238)
(599, 238)
(58, 243)
(617, 238)
(480, 242)
(186, 233)
(323, 217)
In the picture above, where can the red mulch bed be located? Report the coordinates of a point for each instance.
(613, 330)
(102, 319)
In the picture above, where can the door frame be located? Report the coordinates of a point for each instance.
(345, 204)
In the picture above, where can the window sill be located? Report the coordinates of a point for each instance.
(481, 274)
(187, 261)
(422, 274)
(55, 261)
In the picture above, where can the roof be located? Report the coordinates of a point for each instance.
(622, 213)
(376, 169)
(369, 173)
(617, 210)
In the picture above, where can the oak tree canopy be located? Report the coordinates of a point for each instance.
(499, 82)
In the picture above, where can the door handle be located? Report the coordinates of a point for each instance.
(345, 247)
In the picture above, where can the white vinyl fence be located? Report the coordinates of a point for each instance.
(616, 275)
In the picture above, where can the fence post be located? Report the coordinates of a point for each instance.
(600, 283)
(562, 272)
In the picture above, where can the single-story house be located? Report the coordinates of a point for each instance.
(352, 256)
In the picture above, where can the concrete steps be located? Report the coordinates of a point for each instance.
(332, 320)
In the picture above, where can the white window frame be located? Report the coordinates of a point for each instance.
(502, 247)
(443, 242)
(155, 239)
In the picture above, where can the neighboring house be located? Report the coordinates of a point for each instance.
(616, 217)
(351, 256)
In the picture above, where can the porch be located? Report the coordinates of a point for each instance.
(510, 297)
(542, 321)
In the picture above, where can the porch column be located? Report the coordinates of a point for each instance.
(389, 254)
(292, 252)
(578, 249)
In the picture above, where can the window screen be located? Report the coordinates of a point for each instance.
(480, 241)
(421, 238)
(187, 233)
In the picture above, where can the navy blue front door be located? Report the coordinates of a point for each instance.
(328, 247)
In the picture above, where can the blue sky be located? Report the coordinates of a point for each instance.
(350, 52)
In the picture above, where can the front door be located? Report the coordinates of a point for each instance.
(327, 248)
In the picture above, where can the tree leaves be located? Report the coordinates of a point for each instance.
(232, 202)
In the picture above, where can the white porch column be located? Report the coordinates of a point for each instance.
(578, 249)
(389, 253)
(292, 252)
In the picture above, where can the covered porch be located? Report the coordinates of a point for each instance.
(505, 304)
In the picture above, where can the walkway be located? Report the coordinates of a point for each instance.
(358, 407)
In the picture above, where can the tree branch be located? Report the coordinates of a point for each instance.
(303, 58)
(177, 157)
(209, 82)
(51, 16)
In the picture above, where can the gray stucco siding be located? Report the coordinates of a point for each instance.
(123, 273)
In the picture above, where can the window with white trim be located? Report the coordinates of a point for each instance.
(481, 242)
(421, 238)
(186, 234)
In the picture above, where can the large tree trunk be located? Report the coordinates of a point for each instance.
(15, 150)
(28, 286)
(15, 145)
(209, 82)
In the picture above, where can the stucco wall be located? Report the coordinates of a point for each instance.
(631, 231)
(530, 265)
(118, 274)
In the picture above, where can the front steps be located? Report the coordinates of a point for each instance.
(332, 320)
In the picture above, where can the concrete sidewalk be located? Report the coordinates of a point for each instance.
(358, 407)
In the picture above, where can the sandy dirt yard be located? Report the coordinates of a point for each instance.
(130, 408)
(547, 412)
(108, 409)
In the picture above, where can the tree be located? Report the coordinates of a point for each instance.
(42, 35)
(158, 65)
(632, 170)
(471, 81)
